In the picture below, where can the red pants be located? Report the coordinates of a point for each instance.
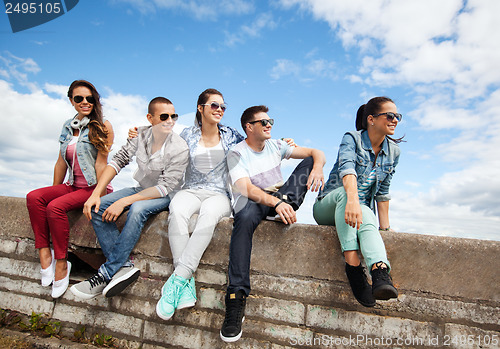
(47, 208)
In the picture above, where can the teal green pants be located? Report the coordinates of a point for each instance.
(331, 211)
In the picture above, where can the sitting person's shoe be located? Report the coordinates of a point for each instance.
(121, 280)
(187, 297)
(48, 273)
(360, 287)
(60, 286)
(235, 315)
(89, 288)
(170, 294)
(382, 287)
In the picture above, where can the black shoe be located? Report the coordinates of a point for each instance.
(235, 314)
(359, 285)
(382, 287)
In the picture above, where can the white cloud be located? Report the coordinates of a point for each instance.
(312, 69)
(262, 21)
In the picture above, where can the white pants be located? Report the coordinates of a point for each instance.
(187, 250)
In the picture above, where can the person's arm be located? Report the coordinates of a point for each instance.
(353, 214)
(59, 170)
(383, 214)
(107, 175)
(102, 158)
(254, 193)
(316, 180)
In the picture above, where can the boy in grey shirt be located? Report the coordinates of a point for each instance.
(162, 157)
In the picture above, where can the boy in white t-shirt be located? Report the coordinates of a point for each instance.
(259, 191)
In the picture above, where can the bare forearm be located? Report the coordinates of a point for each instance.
(383, 214)
(351, 186)
(146, 194)
(107, 174)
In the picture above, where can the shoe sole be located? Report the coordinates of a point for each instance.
(186, 305)
(232, 339)
(368, 305)
(385, 292)
(117, 286)
(161, 316)
(82, 295)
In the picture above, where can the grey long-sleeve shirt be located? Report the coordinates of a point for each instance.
(163, 170)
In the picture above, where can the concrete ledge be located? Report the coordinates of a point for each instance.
(299, 289)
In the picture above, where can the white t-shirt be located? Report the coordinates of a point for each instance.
(206, 159)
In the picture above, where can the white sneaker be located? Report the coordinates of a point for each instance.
(48, 273)
(60, 286)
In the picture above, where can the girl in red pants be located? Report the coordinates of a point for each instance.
(85, 141)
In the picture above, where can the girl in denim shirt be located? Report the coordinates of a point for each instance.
(84, 145)
(358, 182)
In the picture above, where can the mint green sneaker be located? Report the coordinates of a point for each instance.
(187, 297)
(171, 291)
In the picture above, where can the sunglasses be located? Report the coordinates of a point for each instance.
(164, 117)
(215, 106)
(263, 122)
(390, 116)
(79, 99)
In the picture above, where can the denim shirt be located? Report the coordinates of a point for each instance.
(217, 178)
(86, 152)
(356, 156)
(163, 169)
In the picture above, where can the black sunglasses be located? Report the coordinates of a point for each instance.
(164, 117)
(390, 116)
(263, 122)
(215, 106)
(79, 99)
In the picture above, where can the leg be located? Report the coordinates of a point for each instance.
(212, 210)
(107, 232)
(184, 204)
(246, 221)
(138, 214)
(370, 240)
(37, 202)
(295, 188)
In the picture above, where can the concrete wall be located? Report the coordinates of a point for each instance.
(449, 290)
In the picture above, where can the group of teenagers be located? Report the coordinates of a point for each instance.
(210, 169)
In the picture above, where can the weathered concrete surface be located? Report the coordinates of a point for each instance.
(300, 296)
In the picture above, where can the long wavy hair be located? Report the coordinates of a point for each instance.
(98, 132)
(373, 107)
(202, 99)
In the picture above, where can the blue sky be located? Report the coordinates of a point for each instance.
(313, 62)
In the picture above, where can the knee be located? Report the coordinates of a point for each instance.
(33, 198)
(54, 209)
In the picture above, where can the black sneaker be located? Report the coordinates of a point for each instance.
(382, 287)
(235, 314)
(360, 287)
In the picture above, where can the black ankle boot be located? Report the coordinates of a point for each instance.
(382, 287)
(359, 285)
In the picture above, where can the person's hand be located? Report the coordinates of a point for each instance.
(113, 211)
(93, 200)
(132, 132)
(286, 213)
(316, 180)
(289, 141)
(353, 214)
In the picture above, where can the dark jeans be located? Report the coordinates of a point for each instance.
(248, 217)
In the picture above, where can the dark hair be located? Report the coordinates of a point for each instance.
(202, 99)
(373, 107)
(98, 133)
(249, 114)
(155, 101)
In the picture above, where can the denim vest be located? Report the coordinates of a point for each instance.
(86, 152)
(356, 156)
(216, 179)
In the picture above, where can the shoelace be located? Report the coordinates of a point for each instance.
(382, 273)
(96, 280)
(172, 294)
(234, 308)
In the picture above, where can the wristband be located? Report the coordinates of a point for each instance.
(386, 229)
(279, 202)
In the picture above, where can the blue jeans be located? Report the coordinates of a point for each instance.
(117, 246)
(247, 218)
